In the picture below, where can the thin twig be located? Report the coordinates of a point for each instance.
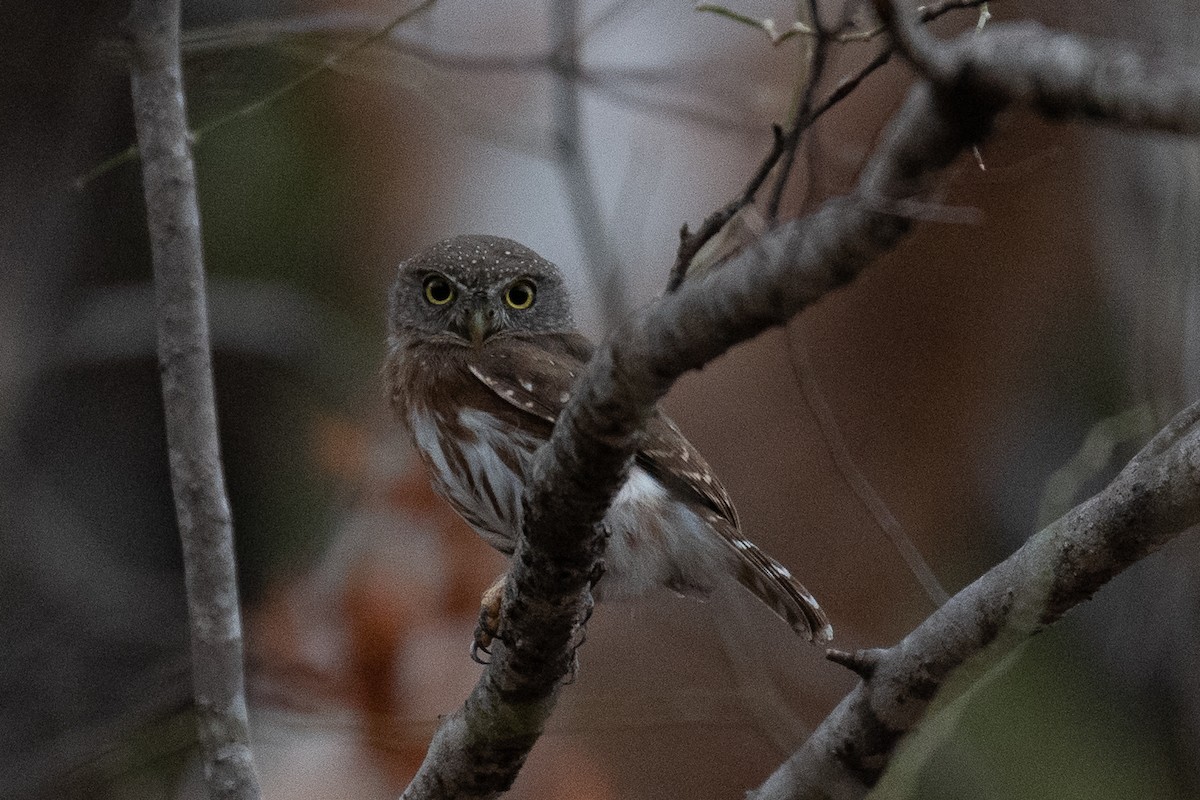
(690, 243)
(185, 357)
(130, 153)
(802, 119)
(802, 370)
(602, 260)
(798, 28)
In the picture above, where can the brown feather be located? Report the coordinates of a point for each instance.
(774, 585)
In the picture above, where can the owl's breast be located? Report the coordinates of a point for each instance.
(479, 462)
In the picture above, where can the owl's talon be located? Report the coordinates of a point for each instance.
(476, 648)
(485, 634)
(488, 629)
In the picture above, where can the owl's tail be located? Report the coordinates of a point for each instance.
(772, 583)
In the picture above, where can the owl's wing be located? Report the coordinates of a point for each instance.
(537, 378)
(672, 459)
(678, 465)
(534, 377)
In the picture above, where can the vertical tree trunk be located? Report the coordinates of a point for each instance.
(185, 359)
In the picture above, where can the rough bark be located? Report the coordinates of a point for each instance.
(185, 357)
(1154, 498)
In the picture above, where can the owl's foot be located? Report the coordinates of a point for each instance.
(489, 620)
(477, 648)
(488, 628)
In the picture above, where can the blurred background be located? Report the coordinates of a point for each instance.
(995, 369)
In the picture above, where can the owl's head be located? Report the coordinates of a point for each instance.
(469, 289)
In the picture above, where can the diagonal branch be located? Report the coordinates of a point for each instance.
(185, 358)
(1156, 497)
(479, 749)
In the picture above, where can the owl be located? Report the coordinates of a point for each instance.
(482, 356)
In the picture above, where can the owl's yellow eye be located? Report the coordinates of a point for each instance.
(520, 295)
(438, 290)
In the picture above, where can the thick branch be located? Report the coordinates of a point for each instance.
(1059, 75)
(1154, 498)
(185, 357)
(479, 749)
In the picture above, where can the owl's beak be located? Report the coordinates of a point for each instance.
(480, 325)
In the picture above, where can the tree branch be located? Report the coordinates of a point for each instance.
(185, 357)
(690, 243)
(1061, 76)
(602, 260)
(479, 749)
(1154, 498)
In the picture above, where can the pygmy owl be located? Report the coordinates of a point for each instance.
(482, 357)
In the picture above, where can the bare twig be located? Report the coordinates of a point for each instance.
(802, 369)
(185, 356)
(766, 24)
(779, 36)
(861, 662)
(690, 243)
(326, 65)
(802, 118)
(604, 265)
